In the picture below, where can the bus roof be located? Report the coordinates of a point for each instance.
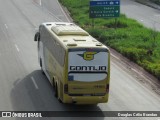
(68, 30)
(72, 35)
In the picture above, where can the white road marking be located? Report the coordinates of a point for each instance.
(157, 15)
(114, 64)
(136, 71)
(6, 26)
(115, 56)
(4, 32)
(63, 11)
(40, 2)
(54, 16)
(34, 82)
(17, 47)
(141, 20)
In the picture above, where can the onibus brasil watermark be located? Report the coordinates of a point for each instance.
(21, 114)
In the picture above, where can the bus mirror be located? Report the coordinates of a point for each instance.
(37, 36)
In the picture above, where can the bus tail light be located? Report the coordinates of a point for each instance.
(107, 88)
(66, 88)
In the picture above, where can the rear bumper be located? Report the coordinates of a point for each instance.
(85, 99)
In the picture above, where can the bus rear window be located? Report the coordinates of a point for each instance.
(87, 65)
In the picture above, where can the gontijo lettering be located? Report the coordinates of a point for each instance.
(88, 68)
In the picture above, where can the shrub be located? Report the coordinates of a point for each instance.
(95, 32)
(157, 72)
(116, 24)
(134, 54)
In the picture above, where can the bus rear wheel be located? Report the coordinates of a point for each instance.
(56, 94)
(41, 66)
(56, 91)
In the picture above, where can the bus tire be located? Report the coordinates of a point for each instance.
(60, 101)
(41, 66)
(40, 63)
(56, 91)
(37, 36)
(56, 94)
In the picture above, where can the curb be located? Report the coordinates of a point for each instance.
(147, 3)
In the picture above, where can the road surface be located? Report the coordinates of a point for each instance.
(148, 16)
(23, 87)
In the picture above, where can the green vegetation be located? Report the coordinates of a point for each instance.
(139, 44)
(156, 1)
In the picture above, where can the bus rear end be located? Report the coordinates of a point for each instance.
(88, 76)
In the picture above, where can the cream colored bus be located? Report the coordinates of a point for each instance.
(76, 64)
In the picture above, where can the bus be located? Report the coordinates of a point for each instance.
(76, 64)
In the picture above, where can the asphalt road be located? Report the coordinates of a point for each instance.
(23, 87)
(148, 16)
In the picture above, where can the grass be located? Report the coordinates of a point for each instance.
(156, 1)
(127, 36)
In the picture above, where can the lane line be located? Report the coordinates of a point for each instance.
(3, 31)
(6, 26)
(63, 11)
(115, 56)
(54, 15)
(137, 72)
(17, 47)
(34, 82)
(157, 15)
(40, 2)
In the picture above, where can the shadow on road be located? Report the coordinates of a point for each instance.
(35, 93)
